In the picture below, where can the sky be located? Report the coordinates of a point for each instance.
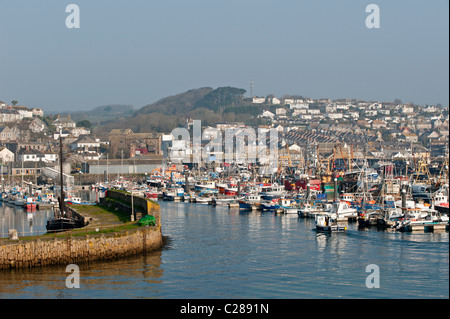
(137, 52)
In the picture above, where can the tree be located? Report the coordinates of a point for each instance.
(84, 123)
(14, 102)
(220, 98)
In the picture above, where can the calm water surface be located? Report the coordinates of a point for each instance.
(223, 253)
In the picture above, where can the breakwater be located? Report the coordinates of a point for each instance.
(121, 200)
(85, 244)
(69, 250)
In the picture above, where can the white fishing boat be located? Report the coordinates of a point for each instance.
(289, 206)
(272, 191)
(310, 210)
(421, 220)
(205, 186)
(343, 210)
(328, 223)
(440, 199)
(225, 200)
(204, 198)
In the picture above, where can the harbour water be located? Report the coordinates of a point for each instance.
(217, 252)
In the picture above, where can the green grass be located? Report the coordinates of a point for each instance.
(106, 220)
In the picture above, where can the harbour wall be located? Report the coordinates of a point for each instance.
(121, 200)
(72, 250)
(42, 251)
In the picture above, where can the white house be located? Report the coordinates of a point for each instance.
(299, 105)
(6, 155)
(274, 101)
(335, 115)
(354, 114)
(7, 115)
(384, 111)
(259, 100)
(61, 123)
(430, 109)
(342, 106)
(306, 116)
(23, 111)
(37, 111)
(408, 109)
(371, 112)
(375, 106)
(268, 114)
(85, 143)
(330, 108)
(78, 131)
(36, 156)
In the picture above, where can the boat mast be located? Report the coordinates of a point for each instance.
(61, 201)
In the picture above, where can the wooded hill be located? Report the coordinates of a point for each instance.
(211, 106)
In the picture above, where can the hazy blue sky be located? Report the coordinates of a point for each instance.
(136, 52)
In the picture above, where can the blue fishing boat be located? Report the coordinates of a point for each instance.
(250, 201)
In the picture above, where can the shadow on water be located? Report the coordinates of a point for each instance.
(98, 279)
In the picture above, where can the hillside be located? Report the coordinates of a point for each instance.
(209, 105)
(181, 103)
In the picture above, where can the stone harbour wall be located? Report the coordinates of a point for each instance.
(72, 250)
(141, 205)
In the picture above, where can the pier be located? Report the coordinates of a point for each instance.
(105, 236)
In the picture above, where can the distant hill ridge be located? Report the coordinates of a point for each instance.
(180, 103)
(113, 109)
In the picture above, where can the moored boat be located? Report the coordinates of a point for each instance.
(250, 202)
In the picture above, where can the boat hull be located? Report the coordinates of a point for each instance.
(329, 229)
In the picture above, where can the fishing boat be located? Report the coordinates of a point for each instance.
(441, 200)
(289, 206)
(231, 190)
(422, 220)
(270, 192)
(270, 204)
(63, 219)
(368, 218)
(205, 186)
(328, 223)
(19, 200)
(225, 200)
(310, 210)
(77, 201)
(390, 217)
(250, 201)
(153, 193)
(343, 210)
(204, 198)
(173, 194)
(31, 203)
